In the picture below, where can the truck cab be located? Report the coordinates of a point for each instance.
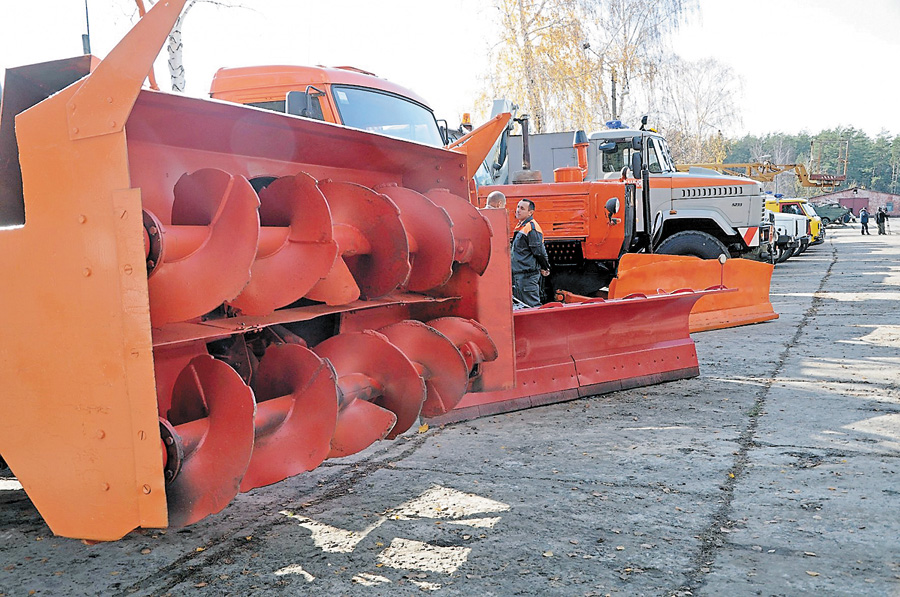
(342, 95)
(701, 212)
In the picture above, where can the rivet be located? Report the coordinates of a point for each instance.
(82, 219)
(101, 434)
(87, 272)
(438, 167)
(146, 489)
(127, 269)
(109, 100)
(104, 486)
(75, 130)
(112, 124)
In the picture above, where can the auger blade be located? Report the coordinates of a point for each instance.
(216, 448)
(471, 231)
(296, 414)
(360, 424)
(371, 238)
(215, 215)
(442, 366)
(395, 384)
(470, 338)
(294, 213)
(432, 236)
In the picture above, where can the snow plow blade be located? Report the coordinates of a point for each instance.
(655, 274)
(595, 347)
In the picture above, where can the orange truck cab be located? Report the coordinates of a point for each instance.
(342, 95)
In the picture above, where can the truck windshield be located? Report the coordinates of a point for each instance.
(808, 209)
(387, 114)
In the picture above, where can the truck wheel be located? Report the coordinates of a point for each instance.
(784, 253)
(826, 221)
(693, 242)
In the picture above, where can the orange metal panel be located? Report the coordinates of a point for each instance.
(567, 351)
(652, 274)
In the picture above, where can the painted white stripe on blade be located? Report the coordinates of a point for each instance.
(478, 523)
(295, 569)
(416, 555)
(443, 502)
(333, 539)
(370, 580)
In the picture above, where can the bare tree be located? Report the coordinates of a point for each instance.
(627, 37)
(695, 101)
(574, 63)
(538, 62)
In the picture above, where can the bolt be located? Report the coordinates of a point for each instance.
(438, 167)
(146, 489)
(142, 435)
(169, 441)
(170, 475)
(153, 229)
(127, 269)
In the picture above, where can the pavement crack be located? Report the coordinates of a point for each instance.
(712, 538)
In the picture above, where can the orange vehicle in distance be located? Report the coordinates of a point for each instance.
(341, 95)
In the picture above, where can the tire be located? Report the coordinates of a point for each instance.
(826, 221)
(694, 243)
(784, 253)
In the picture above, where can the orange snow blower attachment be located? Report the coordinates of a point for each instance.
(655, 274)
(237, 294)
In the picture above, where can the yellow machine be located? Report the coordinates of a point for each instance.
(800, 207)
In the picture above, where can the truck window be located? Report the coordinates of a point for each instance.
(387, 114)
(665, 156)
(653, 161)
(614, 161)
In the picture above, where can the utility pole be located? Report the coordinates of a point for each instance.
(615, 113)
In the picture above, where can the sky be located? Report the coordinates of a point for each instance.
(805, 65)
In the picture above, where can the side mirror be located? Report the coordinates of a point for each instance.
(637, 163)
(607, 147)
(299, 103)
(637, 143)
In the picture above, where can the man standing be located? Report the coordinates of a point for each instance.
(864, 220)
(529, 257)
(880, 218)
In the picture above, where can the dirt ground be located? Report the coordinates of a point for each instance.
(772, 473)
